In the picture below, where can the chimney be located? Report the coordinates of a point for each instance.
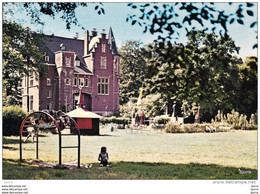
(103, 33)
(94, 32)
(76, 35)
(86, 43)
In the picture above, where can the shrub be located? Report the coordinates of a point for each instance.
(173, 128)
(186, 128)
(117, 120)
(162, 119)
(12, 119)
(253, 122)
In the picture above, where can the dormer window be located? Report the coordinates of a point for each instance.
(46, 58)
(77, 61)
(62, 47)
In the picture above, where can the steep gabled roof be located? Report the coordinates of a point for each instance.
(52, 45)
(112, 42)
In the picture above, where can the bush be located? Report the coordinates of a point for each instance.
(117, 120)
(186, 128)
(173, 128)
(12, 119)
(162, 119)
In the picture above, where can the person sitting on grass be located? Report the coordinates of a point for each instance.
(103, 157)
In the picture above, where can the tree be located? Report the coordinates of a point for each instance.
(211, 72)
(202, 73)
(21, 56)
(133, 70)
(247, 96)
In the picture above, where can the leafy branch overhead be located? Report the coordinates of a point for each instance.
(66, 11)
(168, 19)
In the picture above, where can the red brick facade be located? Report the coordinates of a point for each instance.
(90, 64)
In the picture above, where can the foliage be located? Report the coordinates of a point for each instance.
(204, 73)
(66, 11)
(211, 69)
(21, 56)
(248, 86)
(163, 119)
(236, 120)
(116, 120)
(186, 128)
(12, 119)
(168, 19)
(133, 70)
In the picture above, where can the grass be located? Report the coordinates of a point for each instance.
(140, 155)
(13, 169)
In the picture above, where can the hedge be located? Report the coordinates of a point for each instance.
(12, 119)
(117, 120)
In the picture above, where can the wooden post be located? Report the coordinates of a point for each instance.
(59, 147)
(78, 149)
(37, 146)
(21, 157)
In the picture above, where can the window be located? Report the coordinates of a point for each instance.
(103, 63)
(49, 106)
(49, 94)
(67, 81)
(31, 82)
(77, 63)
(47, 58)
(22, 91)
(31, 102)
(86, 82)
(75, 81)
(81, 82)
(67, 61)
(48, 81)
(103, 86)
(103, 48)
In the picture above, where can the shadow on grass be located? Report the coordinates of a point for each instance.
(11, 141)
(9, 148)
(14, 169)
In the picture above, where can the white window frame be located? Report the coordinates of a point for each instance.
(103, 48)
(103, 86)
(81, 82)
(31, 82)
(103, 62)
(49, 94)
(47, 58)
(67, 61)
(48, 81)
(75, 81)
(86, 82)
(31, 103)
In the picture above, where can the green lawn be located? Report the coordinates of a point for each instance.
(127, 170)
(140, 155)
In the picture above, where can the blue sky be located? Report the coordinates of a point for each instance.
(115, 17)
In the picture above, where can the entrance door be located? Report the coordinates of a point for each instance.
(87, 100)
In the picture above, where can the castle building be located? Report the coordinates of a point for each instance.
(90, 64)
